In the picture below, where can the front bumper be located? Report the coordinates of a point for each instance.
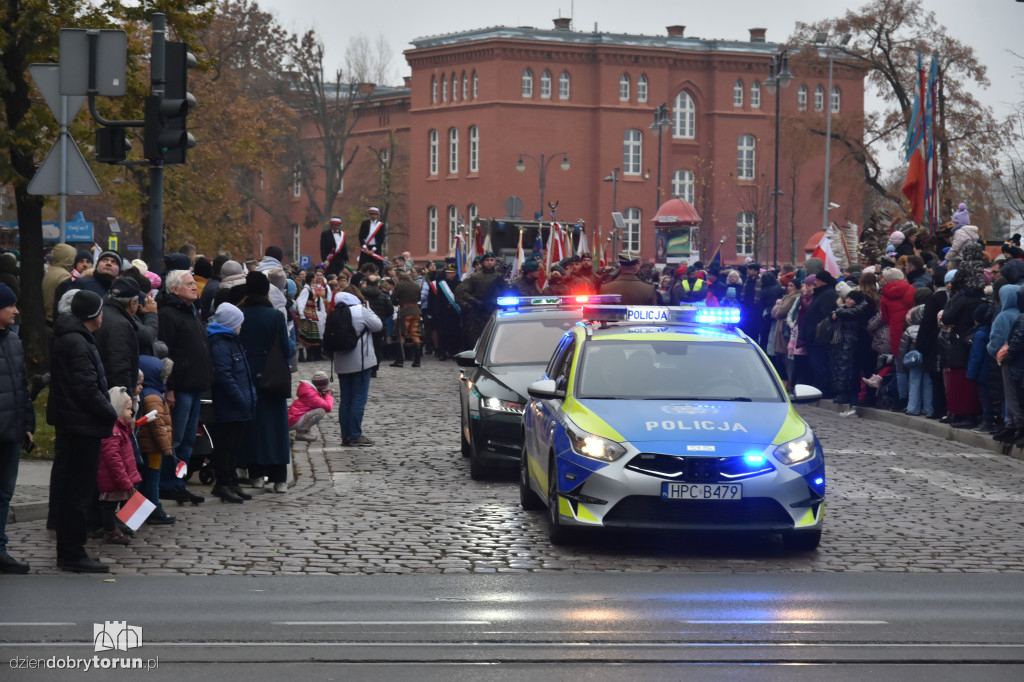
(497, 436)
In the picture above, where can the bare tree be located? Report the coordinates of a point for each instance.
(370, 62)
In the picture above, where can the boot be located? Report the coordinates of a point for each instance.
(225, 494)
(237, 490)
(116, 537)
(315, 354)
(399, 351)
(417, 350)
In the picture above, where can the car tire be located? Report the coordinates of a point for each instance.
(529, 500)
(467, 450)
(802, 540)
(557, 533)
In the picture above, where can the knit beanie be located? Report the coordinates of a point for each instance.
(961, 217)
(140, 265)
(893, 275)
(257, 284)
(897, 237)
(320, 380)
(7, 296)
(228, 315)
(86, 305)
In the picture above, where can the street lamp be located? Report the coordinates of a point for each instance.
(543, 165)
(661, 122)
(821, 37)
(778, 76)
(613, 178)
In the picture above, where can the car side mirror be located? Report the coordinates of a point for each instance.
(545, 389)
(803, 393)
(466, 358)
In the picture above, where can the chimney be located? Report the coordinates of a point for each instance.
(366, 88)
(407, 81)
(563, 23)
(757, 35)
(676, 31)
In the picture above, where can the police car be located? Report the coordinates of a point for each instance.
(512, 352)
(669, 418)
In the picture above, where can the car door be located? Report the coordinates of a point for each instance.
(547, 411)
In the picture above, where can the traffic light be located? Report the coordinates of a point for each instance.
(166, 131)
(112, 145)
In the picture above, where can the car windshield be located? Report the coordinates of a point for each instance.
(675, 370)
(525, 342)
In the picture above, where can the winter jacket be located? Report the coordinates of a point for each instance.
(157, 436)
(781, 310)
(117, 471)
(847, 353)
(379, 302)
(118, 343)
(60, 270)
(206, 298)
(909, 338)
(979, 360)
(182, 331)
(821, 307)
(959, 315)
(234, 396)
(897, 298)
(962, 236)
(928, 333)
(1015, 352)
(362, 356)
(999, 332)
(16, 413)
(308, 398)
(262, 323)
(79, 403)
(919, 279)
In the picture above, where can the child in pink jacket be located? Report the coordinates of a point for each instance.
(117, 474)
(313, 400)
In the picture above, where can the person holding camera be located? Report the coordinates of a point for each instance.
(17, 419)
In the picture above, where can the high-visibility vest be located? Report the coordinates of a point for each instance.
(685, 284)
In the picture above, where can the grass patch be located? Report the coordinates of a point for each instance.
(44, 434)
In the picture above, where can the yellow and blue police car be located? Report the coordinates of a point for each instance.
(669, 418)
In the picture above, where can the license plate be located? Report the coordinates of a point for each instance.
(702, 491)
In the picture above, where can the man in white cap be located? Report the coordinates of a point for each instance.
(372, 233)
(333, 251)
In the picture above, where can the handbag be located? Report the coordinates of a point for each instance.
(275, 379)
(913, 358)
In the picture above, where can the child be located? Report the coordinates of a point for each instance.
(313, 400)
(156, 438)
(117, 474)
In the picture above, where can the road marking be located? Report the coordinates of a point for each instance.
(786, 622)
(381, 622)
(37, 624)
(963, 485)
(610, 645)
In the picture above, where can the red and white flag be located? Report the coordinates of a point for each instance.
(824, 252)
(135, 511)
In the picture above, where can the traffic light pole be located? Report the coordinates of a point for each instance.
(153, 242)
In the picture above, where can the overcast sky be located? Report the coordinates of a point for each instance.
(993, 27)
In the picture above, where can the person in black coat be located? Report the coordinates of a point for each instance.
(332, 241)
(821, 307)
(117, 338)
(80, 411)
(372, 233)
(771, 292)
(17, 418)
(852, 341)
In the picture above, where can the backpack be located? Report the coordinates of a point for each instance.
(339, 333)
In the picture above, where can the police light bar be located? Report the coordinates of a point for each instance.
(640, 314)
(555, 301)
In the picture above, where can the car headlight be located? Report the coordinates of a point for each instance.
(498, 405)
(593, 446)
(797, 450)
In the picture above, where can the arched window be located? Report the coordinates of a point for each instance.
(455, 88)
(801, 98)
(433, 151)
(632, 151)
(444, 88)
(473, 212)
(819, 98)
(476, 85)
(453, 151)
(682, 185)
(545, 84)
(432, 229)
(527, 83)
(835, 100)
(641, 89)
(737, 93)
(563, 85)
(465, 86)
(453, 225)
(684, 116)
(631, 235)
(433, 89)
(474, 149)
(755, 95)
(624, 88)
(745, 150)
(745, 234)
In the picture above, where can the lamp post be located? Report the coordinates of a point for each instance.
(661, 122)
(822, 38)
(542, 163)
(778, 76)
(613, 178)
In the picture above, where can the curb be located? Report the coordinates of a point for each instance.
(928, 426)
(28, 511)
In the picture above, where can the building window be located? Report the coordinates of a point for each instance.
(755, 95)
(465, 86)
(476, 85)
(455, 88)
(432, 229)
(453, 226)
(433, 152)
(527, 83)
(563, 85)
(444, 88)
(297, 180)
(801, 98)
(433, 89)
(474, 149)
(453, 151)
(296, 243)
(835, 100)
(624, 88)
(682, 185)
(745, 157)
(737, 93)
(745, 234)
(545, 84)
(631, 235)
(684, 116)
(473, 211)
(632, 151)
(341, 175)
(819, 98)
(385, 158)
(641, 89)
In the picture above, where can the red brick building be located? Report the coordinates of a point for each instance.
(480, 101)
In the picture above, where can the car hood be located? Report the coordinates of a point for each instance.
(511, 378)
(671, 425)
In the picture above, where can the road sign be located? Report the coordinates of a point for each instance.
(110, 65)
(78, 231)
(134, 247)
(80, 180)
(305, 261)
(112, 243)
(47, 78)
(112, 222)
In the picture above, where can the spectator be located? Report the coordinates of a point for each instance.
(313, 400)
(117, 338)
(17, 418)
(353, 369)
(108, 268)
(156, 437)
(312, 312)
(850, 341)
(117, 474)
(59, 272)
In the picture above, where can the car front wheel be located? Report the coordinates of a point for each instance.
(557, 533)
(528, 499)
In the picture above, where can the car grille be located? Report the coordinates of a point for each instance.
(680, 469)
(648, 511)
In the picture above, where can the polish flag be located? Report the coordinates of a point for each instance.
(824, 252)
(135, 511)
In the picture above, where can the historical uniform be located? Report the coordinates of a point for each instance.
(406, 298)
(476, 297)
(372, 233)
(631, 289)
(333, 248)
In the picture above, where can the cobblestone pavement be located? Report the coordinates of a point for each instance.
(898, 500)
